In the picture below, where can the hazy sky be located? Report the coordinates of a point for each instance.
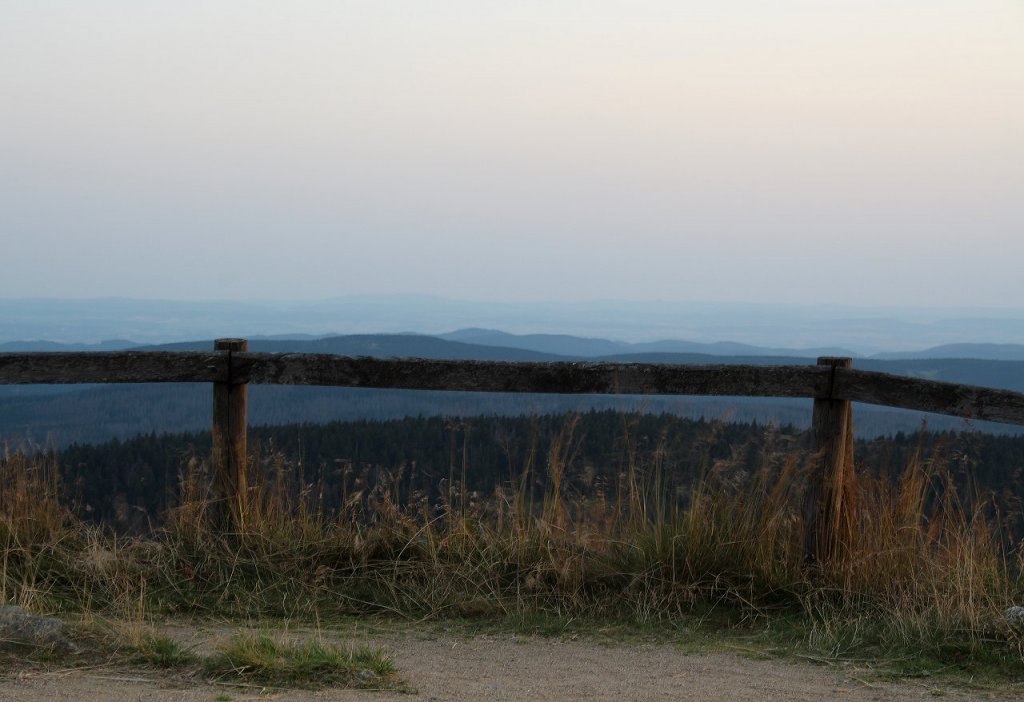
(841, 151)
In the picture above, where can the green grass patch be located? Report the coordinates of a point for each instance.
(131, 643)
(265, 660)
(162, 651)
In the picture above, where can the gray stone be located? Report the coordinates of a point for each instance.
(17, 626)
(1015, 617)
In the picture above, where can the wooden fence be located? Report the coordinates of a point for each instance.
(833, 384)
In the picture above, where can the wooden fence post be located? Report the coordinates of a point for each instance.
(230, 484)
(827, 515)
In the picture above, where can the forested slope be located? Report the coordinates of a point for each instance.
(130, 483)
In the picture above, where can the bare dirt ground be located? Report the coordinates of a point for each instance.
(509, 667)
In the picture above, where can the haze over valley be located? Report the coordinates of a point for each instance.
(717, 328)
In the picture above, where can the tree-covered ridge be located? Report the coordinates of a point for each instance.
(130, 484)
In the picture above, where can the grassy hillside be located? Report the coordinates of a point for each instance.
(921, 580)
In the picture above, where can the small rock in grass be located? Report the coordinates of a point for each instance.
(1015, 617)
(17, 626)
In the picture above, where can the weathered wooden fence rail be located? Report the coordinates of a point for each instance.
(833, 384)
(818, 382)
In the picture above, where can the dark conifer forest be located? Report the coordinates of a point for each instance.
(128, 485)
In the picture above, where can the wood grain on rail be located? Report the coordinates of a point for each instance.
(63, 367)
(533, 377)
(809, 381)
(968, 401)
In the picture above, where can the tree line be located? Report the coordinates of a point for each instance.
(129, 484)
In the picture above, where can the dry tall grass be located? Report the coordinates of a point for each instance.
(921, 569)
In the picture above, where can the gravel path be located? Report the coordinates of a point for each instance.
(507, 667)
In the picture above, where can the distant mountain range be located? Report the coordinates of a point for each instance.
(775, 328)
(65, 414)
(546, 346)
(28, 346)
(566, 345)
(993, 352)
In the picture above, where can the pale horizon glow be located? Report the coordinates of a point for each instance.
(847, 152)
